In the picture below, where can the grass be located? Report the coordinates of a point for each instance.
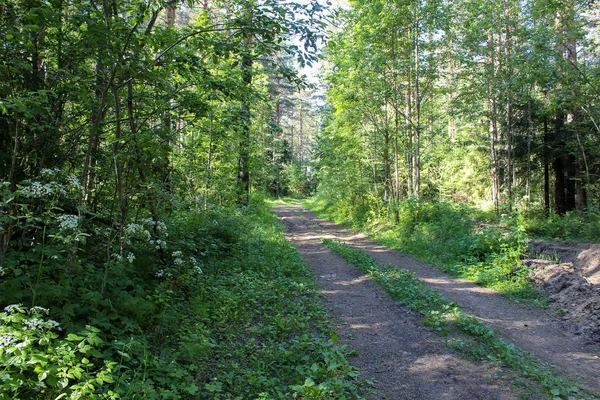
(230, 311)
(445, 236)
(270, 336)
(574, 226)
(475, 339)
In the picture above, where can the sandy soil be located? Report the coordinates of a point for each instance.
(569, 273)
(406, 359)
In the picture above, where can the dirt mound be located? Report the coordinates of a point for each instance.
(584, 256)
(570, 275)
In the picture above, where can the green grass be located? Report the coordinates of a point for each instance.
(475, 339)
(227, 310)
(574, 226)
(269, 335)
(445, 235)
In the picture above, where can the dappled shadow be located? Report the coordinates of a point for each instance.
(405, 358)
(532, 329)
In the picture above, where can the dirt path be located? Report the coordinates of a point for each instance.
(407, 360)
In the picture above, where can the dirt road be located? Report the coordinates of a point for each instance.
(406, 360)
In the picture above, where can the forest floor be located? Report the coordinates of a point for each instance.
(404, 357)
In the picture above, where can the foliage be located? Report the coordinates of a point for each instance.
(580, 226)
(38, 364)
(446, 235)
(219, 305)
(263, 332)
(122, 128)
(444, 316)
(489, 104)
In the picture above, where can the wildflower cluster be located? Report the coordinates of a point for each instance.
(14, 308)
(26, 320)
(137, 231)
(142, 232)
(37, 324)
(159, 225)
(195, 266)
(180, 261)
(68, 222)
(177, 260)
(74, 183)
(162, 273)
(38, 190)
(35, 359)
(8, 340)
(50, 183)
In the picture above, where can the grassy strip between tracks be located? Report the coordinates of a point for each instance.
(470, 336)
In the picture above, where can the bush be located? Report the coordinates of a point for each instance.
(38, 364)
(443, 228)
(444, 235)
(582, 226)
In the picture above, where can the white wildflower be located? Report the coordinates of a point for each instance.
(177, 253)
(52, 324)
(195, 265)
(130, 257)
(49, 172)
(68, 222)
(2, 271)
(178, 261)
(74, 182)
(149, 221)
(163, 274)
(132, 228)
(13, 308)
(38, 190)
(117, 256)
(39, 310)
(137, 231)
(7, 340)
(33, 324)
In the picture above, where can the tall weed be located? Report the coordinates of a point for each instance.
(447, 236)
(581, 226)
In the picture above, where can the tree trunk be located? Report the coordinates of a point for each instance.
(558, 165)
(244, 152)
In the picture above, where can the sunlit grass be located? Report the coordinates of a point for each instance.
(469, 336)
(444, 235)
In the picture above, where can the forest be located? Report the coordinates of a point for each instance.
(143, 142)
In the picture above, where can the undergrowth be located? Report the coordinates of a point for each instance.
(446, 235)
(476, 339)
(577, 226)
(199, 304)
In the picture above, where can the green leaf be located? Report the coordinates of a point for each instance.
(71, 337)
(51, 380)
(43, 375)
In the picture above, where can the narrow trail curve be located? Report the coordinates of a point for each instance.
(531, 329)
(406, 360)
